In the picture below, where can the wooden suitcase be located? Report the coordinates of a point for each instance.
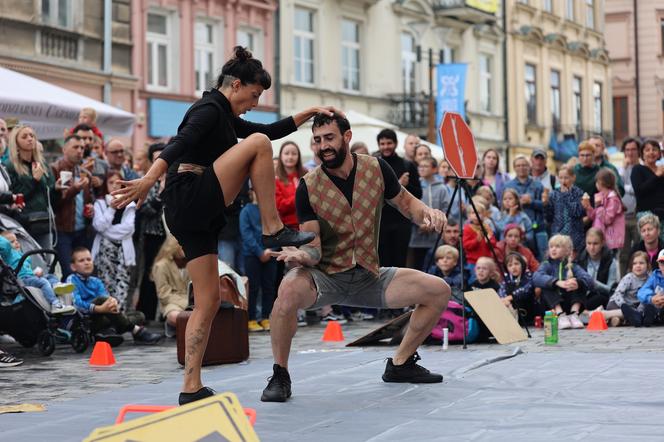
(229, 337)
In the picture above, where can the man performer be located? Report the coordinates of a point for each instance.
(341, 202)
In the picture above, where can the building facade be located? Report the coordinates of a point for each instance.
(559, 76)
(373, 57)
(179, 49)
(637, 61)
(62, 42)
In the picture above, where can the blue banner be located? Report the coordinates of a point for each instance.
(451, 87)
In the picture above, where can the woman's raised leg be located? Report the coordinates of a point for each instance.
(253, 157)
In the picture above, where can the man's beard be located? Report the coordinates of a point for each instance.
(337, 161)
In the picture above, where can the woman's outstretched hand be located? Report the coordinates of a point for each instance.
(135, 190)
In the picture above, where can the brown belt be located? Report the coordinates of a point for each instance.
(189, 167)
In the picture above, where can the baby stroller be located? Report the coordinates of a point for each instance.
(29, 320)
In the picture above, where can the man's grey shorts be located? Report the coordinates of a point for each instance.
(356, 287)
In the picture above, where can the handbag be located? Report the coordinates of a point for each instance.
(37, 222)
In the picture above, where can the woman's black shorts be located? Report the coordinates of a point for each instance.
(194, 211)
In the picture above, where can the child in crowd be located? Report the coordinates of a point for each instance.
(450, 236)
(474, 244)
(608, 215)
(259, 266)
(434, 195)
(91, 297)
(486, 192)
(629, 285)
(485, 275)
(512, 242)
(10, 252)
(171, 281)
(113, 247)
(512, 214)
(651, 297)
(447, 267)
(564, 284)
(88, 116)
(598, 261)
(564, 210)
(516, 290)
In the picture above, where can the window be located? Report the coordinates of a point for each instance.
(205, 61)
(555, 100)
(57, 13)
(531, 94)
(304, 46)
(576, 102)
(620, 118)
(548, 6)
(446, 55)
(486, 80)
(408, 60)
(597, 108)
(569, 10)
(251, 39)
(350, 54)
(159, 43)
(590, 14)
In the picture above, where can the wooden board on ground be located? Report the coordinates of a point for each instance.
(501, 323)
(392, 329)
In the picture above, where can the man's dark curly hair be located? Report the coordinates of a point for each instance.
(324, 119)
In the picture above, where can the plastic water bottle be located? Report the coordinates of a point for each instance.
(445, 338)
(550, 328)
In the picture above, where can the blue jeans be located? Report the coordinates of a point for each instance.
(42, 284)
(230, 252)
(262, 276)
(67, 242)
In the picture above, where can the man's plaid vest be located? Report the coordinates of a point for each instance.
(349, 235)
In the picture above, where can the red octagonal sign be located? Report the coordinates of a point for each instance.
(458, 145)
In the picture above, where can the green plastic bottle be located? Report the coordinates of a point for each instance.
(550, 328)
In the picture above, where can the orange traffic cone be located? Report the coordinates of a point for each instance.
(333, 332)
(102, 355)
(597, 322)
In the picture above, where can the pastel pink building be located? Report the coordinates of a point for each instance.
(179, 49)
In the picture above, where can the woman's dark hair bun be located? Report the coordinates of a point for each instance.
(242, 54)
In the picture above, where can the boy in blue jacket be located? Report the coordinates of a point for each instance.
(564, 285)
(651, 296)
(91, 297)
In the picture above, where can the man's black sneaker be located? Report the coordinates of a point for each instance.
(109, 335)
(632, 315)
(409, 371)
(649, 314)
(203, 393)
(279, 386)
(143, 336)
(287, 237)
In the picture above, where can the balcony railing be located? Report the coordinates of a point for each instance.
(409, 111)
(59, 44)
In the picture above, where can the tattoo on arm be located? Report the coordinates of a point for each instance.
(313, 252)
(401, 202)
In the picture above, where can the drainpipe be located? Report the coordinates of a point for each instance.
(636, 61)
(505, 86)
(277, 61)
(107, 49)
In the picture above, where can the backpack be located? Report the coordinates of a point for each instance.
(452, 320)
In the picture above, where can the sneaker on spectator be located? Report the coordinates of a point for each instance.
(59, 309)
(575, 321)
(361, 316)
(301, 318)
(254, 327)
(615, 322)
(8, 360)
(564, 322)
(332, 317)
(63, 288)
(143, 336)
(265, 323)
(169, 330)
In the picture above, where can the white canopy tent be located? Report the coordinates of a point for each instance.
(364, 128)
(50, 109)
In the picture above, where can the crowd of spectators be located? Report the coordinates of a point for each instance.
(572, 238)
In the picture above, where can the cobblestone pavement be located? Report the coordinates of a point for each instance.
(66, 375)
